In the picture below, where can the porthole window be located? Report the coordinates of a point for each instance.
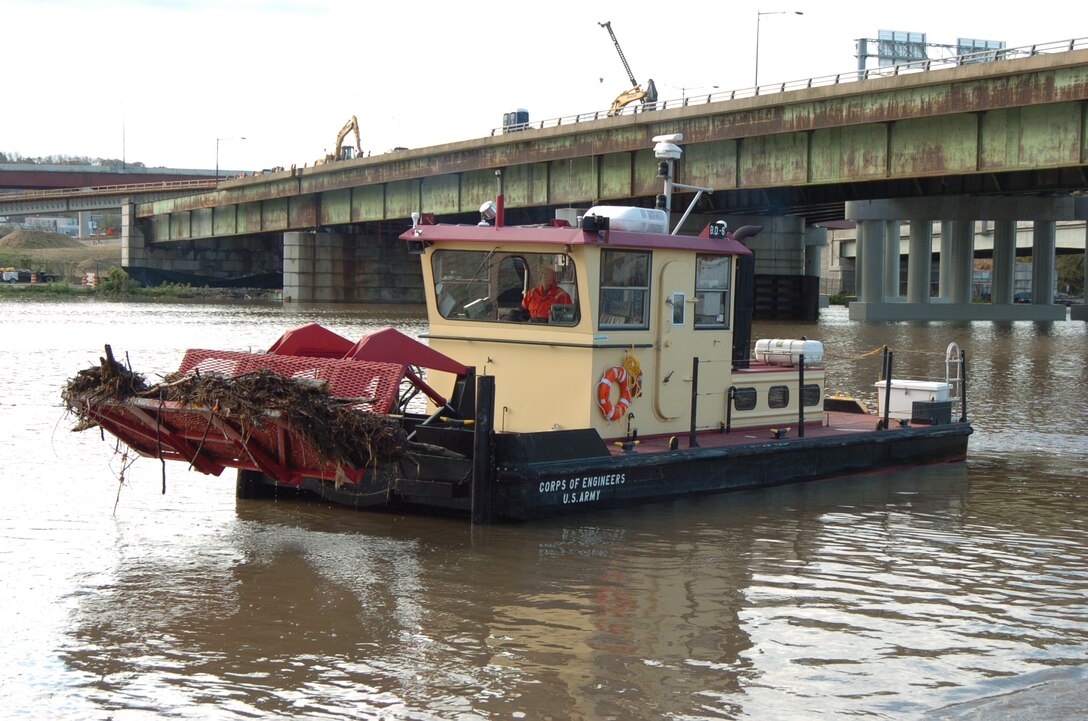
(778, 396)
(810, 395)
(744, 399)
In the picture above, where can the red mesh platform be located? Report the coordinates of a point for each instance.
(211, 441)
(346, 378)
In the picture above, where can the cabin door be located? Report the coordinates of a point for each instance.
(671, 319)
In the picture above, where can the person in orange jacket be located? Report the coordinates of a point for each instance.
(539, 299)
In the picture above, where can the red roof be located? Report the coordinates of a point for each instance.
(570, 236)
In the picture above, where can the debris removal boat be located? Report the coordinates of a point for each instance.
(567, 367)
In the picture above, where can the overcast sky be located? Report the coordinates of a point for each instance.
(159, 81)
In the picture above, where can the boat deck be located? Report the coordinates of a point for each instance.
(832, 423)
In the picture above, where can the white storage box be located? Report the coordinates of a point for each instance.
(785, 352)
(905, 392)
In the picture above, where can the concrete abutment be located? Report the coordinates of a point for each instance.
(324, 267)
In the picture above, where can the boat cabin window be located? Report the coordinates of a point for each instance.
(505, 287)
(810, 395)
(625, 289)
(712, 275)
(744, 399)
(778, 397)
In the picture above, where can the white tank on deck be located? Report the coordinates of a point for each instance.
(785, 352)
(639, 220)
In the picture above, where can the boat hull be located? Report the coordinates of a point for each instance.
(537, 490)
(524, 489)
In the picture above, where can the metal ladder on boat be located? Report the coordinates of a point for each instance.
(953, 371)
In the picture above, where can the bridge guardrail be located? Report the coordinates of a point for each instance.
(165, 185)
(982, 56)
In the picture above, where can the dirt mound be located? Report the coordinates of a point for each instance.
(38, 239)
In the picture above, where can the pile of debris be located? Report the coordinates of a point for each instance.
(108, 381)
(335, 428)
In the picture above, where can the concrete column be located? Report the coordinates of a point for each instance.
(872, 238)
(815, 240)
(1004, 262)
(962, 261)
(859, 259)
(134, 251)
(945, 282)
(919, 261)
(298, 267)
(967, 247)
(891, 259)
(1085, 273)
(1043, 274)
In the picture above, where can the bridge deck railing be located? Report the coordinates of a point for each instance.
(916, 66)
(162, 186)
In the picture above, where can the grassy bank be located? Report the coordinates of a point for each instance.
(116, 285)
(70, 264)
(71, 260)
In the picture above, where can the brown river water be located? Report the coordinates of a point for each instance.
(952, 591)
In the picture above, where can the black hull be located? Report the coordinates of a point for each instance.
(523, 486)
(539, 490)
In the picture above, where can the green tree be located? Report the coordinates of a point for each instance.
(117, 284)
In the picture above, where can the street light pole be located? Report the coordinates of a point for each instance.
(217, 141)
(760, 14)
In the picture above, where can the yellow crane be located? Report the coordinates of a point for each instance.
(646, 95)
(342, 151)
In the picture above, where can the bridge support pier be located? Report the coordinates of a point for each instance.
(133, 245)
(919, 261)
(314, 269)
(876, 266)
(1043, 273)
(1004, 274)
(323, 267)
(871, 247)
(892, 251)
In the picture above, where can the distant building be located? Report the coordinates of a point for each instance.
(68, 226)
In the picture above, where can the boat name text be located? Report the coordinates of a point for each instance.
(582, 488)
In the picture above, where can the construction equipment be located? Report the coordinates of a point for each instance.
(646, 95)
(341, 151)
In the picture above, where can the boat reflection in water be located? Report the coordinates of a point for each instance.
(888, 595)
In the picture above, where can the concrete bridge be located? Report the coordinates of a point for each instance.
(32, 189)
(1012, 132)
(19, 177)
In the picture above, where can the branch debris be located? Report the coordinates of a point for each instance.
(337, 430)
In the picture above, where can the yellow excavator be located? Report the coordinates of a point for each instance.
(342, 151)
(646, 95)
